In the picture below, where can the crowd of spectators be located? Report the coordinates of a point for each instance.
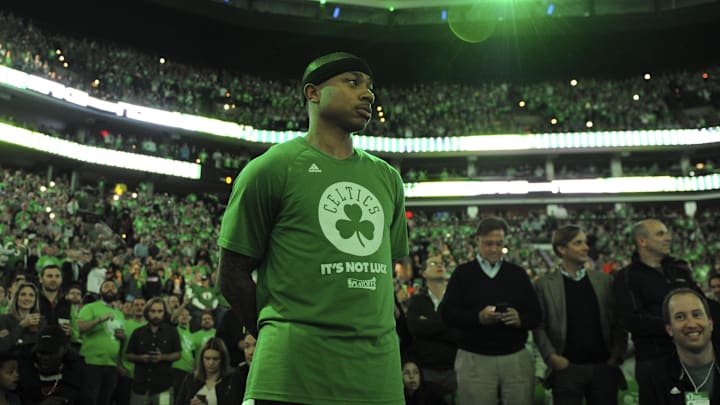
(157, 245)
(118, 73)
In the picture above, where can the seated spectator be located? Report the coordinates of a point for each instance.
(52, 373)
(21, 325)
(689, 375)
(211, 382)
(418, 391)
(9, 378)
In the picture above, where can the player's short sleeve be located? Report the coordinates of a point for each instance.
(252, 207)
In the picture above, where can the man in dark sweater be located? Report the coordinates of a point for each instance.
(493, 304)
(579, 337)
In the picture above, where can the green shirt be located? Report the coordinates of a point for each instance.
(185, 363)
(325, 232)
(201, 336)
(99, 346)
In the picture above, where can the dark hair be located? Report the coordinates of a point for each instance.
(680, 291)
(75, 286)
(50, 266)
(152, 301)
(214, 343)
(563, 235)
(13, 306)
(490, 224)
(712, 276)
(6, 356)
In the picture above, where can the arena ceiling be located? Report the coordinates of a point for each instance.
(247, 35)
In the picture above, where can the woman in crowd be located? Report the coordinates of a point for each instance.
(20, 327)
(212, 382)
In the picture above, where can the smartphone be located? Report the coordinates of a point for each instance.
(501, 307)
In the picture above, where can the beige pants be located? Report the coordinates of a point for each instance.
(480, 377)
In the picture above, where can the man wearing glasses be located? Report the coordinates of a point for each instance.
(493, 304)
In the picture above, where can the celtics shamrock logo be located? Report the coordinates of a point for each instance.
(351, 218)
(354, 226)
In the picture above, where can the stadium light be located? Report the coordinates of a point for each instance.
(647, 76)
(573, 82)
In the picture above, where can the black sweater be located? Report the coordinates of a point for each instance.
(470, 290)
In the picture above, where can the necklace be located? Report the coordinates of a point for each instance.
(707, 376)
(48, 392)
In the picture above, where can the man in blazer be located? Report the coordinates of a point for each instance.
(578, 337)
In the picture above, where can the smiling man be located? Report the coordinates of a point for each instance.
(640, 289)
(691, 373)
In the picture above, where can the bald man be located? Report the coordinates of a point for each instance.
(640, 289)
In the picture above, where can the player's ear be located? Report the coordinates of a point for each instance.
(312, 93)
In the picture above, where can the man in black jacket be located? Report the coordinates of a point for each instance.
(690, 375)
(434, 345)
(53, 305)
(640, 289)
(493, 304)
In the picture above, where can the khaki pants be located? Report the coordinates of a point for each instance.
(480, 377)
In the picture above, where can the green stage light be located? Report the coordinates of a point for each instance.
(474, 23)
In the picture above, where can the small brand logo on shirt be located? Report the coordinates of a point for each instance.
(314, 169)
(362, 284)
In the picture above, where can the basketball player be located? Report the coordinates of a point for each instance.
(321, 222)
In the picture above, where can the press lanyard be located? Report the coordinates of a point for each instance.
(707, 376)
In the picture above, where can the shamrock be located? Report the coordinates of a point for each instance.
(354, 225)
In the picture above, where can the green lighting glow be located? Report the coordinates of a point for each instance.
(473, 23)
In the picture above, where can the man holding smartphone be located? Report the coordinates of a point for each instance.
(153, 348)
(493, 304)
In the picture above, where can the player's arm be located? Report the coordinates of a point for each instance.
(238, 287)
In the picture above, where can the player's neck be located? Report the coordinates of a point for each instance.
(331, 140)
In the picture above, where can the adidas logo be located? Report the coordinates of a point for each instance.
(314, 169)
